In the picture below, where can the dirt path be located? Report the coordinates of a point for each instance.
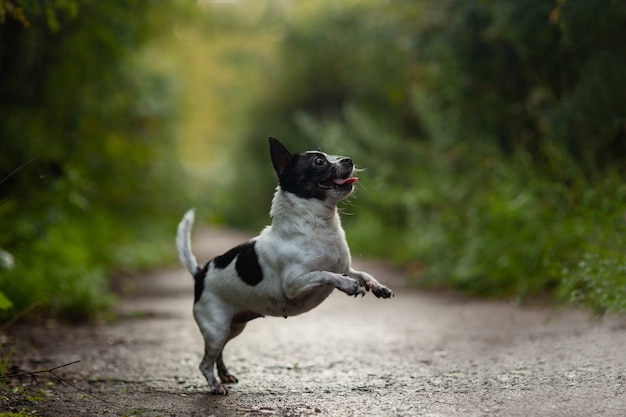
(418, 354)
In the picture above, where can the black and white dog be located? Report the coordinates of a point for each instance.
(289, 269)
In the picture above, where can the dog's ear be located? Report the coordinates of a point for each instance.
(281, 157)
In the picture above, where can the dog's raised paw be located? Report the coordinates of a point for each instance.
(351, 286)
(382, 291)
(359, 290)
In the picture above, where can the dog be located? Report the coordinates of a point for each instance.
(288, 269)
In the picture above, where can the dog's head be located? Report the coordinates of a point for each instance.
(312, 174)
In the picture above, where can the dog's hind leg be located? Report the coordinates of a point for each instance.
(225, 376)
(215, 331)
(211, 355)
(206, 367)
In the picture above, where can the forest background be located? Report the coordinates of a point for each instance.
(492, 133)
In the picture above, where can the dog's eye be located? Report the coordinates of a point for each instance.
(319, 161)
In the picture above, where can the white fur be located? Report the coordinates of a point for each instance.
(183, 242)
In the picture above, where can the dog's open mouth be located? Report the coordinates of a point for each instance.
(337, 182)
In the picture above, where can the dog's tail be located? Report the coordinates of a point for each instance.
(183, 242)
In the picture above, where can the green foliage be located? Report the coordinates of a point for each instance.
(5, 303)
(492, 134)
(482, 222)
(597, 276)
(69, 277)
(86, 163)
(520, 73)
(329, 56)
(24, 11)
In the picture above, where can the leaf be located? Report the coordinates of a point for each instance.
(5, 303)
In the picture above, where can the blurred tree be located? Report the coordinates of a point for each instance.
(24, 11)
(520, 73)
(331, 56)
(87, 124)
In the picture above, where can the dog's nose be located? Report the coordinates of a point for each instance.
(347, 161)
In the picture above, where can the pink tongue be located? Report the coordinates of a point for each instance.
(346, 181)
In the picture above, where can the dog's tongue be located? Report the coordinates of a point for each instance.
(346, 181)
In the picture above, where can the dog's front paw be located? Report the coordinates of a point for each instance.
(380, 291)
(360, 291)
(352, 287)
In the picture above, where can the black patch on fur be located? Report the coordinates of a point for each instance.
(247, 264)
(224, 260)
(198, 279)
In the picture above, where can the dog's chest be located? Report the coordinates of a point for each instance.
(314, 245)
(328, 253)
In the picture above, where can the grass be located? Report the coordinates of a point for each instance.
(4, 363)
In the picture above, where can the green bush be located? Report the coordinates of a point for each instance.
(522, 73)
(596, 276)
(86, 164)
(482, 222)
